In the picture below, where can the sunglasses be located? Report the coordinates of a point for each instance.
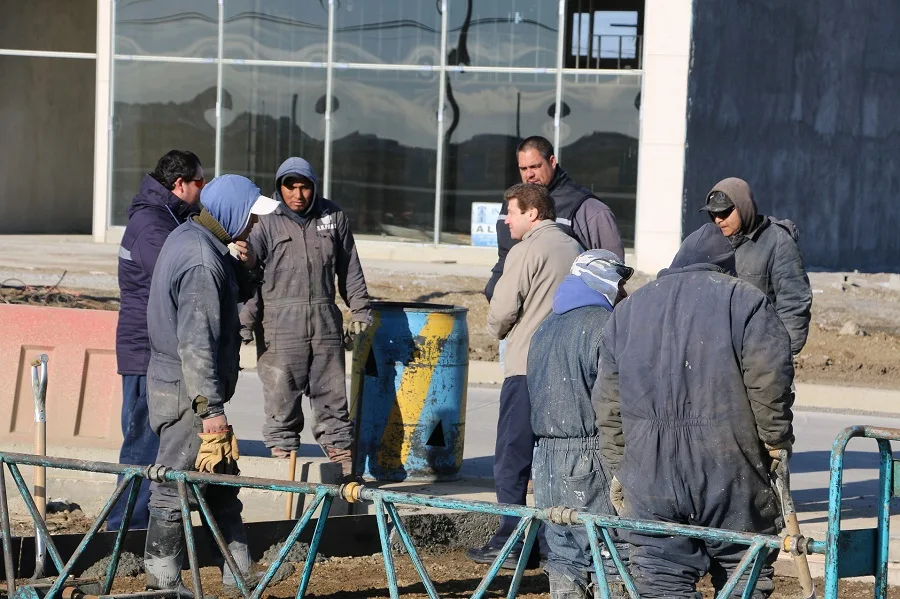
(200, 182)
(723, 214)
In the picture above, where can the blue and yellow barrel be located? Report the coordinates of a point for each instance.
(408, 392)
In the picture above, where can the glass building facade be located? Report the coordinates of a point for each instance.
(410, 110)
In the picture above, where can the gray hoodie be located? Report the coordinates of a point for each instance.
(767, 256)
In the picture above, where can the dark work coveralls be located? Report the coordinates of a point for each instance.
(568, 469)
(303, 352)
(154, 213)
(695, 375)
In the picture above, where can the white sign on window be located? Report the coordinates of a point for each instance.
(484, 223)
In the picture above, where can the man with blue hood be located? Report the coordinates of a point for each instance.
(304, 245)
(693, 393)
(195, 344)
(562, 371)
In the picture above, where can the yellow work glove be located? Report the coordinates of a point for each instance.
(617, 495)
(218, 453)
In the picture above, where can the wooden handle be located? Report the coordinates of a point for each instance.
(289, 499)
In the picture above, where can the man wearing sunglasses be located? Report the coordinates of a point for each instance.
(766, 254)
(167, 197)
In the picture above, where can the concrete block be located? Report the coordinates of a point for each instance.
(84, 392)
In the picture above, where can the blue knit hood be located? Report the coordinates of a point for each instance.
(228, 198)
(574, 293)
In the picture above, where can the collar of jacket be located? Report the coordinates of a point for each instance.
(560, 177)
(738, 239)
(152, 193)
(690, 268)
(541, 224)
(209, 222)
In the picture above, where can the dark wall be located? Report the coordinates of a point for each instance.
(802, 99)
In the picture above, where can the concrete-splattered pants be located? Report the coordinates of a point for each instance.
(569, 472)
(172, 417)
(316, 370)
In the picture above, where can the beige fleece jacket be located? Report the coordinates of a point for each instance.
(523, 297)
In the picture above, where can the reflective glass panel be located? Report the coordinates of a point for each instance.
(269, 115)
(46, 144)
(150, 119)
(167, 28)
(387, 31)
(384, 128)
(487, 115)
(598, 138)
(504, 33)
(49, 25)
(276, 30)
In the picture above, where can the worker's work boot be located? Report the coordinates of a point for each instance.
(343, 457)
(562, 587)
(164, 554)
(236, 537)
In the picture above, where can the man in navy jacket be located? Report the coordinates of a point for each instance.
(167, 197)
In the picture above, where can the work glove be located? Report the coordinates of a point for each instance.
(775, 453)
(617, 495)
(218, 453)
(351, 330)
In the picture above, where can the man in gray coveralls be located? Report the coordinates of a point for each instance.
(303, 246)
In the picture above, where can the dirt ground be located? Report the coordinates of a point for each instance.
(854, 337)
(454, 577)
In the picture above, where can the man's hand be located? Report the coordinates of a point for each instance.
(216, 424)
(775, 453)
(218, 453)
(617, 495)
(351, 330)
(244, 253)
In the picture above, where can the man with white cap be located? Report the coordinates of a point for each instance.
(562, 373)
(195, 344)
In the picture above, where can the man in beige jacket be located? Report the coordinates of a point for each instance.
(522, 299)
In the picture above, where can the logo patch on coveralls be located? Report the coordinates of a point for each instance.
(325, 223)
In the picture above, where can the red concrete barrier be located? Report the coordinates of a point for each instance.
(84, 393)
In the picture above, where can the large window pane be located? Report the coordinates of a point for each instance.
(46, 144)
(49, 25)
(506, 33)
(487, 115)
(387, 31)
(158, 107)
(383, 159)
(275, 113)
(276, 30)
(598, 136)
(167, 28)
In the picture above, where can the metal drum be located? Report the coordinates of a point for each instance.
(408, 393)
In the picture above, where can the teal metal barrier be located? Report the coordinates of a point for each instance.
(847, 553)
(862, 552)
(408, 392)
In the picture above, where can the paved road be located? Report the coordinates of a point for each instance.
(815, 433)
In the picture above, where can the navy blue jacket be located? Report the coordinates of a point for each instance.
(155, 212)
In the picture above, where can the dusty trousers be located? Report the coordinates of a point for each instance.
(570, 472)
(316, 369)
(668, 567)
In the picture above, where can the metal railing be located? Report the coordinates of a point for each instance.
(847, 553)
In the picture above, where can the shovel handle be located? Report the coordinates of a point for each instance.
(791, 524)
